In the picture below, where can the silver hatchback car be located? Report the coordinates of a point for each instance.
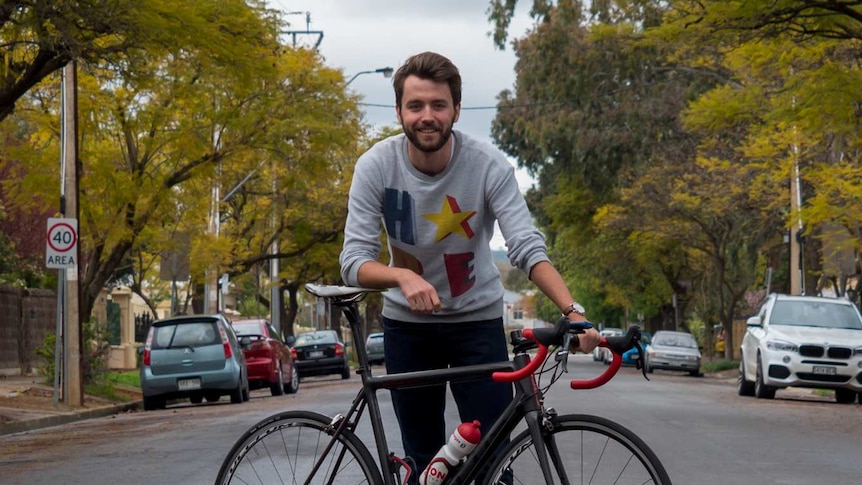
(196, 357)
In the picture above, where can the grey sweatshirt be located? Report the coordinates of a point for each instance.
(440, 226)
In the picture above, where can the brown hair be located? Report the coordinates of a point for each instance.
(429, 66)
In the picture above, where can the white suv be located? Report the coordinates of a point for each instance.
(803, 341)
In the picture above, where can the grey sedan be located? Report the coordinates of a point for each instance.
(374, 348)
(673, 351)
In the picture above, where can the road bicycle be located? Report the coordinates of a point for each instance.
(529, 444)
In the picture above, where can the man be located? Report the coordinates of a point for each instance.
(438, 193)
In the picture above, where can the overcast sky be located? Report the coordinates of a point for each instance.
(364, 35)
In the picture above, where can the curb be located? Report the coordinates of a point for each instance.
(61, 419)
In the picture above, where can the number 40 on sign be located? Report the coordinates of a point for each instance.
(62, 243)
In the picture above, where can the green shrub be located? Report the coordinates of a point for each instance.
(96, 353)
(719, 365)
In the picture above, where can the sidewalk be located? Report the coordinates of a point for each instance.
(26, 403)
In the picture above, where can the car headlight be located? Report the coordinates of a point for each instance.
(781, 345)
(857, 351)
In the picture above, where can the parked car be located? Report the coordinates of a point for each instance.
(630, 356)
(268, 358)
(601, 353)
(374, 348)
(671, 350)
(319, 353)
(803, 341)
(196, 357)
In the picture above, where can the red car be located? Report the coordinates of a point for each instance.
(268, 358)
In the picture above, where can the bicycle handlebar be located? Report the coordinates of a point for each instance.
(530, 368)
(544, 337)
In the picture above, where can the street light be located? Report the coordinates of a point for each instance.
(386, 71)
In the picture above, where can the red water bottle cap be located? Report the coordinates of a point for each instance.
(470, 432)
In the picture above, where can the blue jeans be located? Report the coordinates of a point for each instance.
(423, 346)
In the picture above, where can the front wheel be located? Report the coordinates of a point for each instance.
(761, 390)
(284, 448)
(581, 449)
(744, 387)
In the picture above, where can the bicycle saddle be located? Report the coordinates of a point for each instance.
(337, 292)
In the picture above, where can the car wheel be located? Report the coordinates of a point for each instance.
(345, 373)
(236, 394)
(277, 387)
(196, 399)
(212, 397)
(694, 373)
(153, 403)
(293, 385)
(761, 390)
(246, 391)
(744, 387)
(844, 396)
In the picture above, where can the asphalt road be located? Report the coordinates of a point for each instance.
(703, 432)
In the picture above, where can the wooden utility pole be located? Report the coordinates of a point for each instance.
(797, 261)
(73, 385)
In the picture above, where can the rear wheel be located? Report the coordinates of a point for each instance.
(236, 394)
(284, 448)
(246, 391)
(277, 388)
(581, 449)
(345, 373)
(153, 403)
(292, 386)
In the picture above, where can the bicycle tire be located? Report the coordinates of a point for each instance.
(283, 448)
(594, 450)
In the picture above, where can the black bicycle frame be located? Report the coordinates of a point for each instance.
(526, 405)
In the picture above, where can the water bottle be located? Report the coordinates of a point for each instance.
(460, 444)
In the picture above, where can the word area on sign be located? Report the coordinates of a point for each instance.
(62, 260)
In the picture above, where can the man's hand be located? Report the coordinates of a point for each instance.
(587, 341)
(421, 296)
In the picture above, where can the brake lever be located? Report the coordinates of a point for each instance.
(639, 363)
(563, 353)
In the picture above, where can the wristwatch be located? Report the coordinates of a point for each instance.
(575, 307)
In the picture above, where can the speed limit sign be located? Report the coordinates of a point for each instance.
(62, 243)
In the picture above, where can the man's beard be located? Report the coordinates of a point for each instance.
(443, 134)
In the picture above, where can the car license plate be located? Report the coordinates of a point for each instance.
(188, 384)
(826, 371)
(315, 354)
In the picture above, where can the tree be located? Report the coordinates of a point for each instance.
(798, 19)
(157, 135)
(38, 37)
(616, 101)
